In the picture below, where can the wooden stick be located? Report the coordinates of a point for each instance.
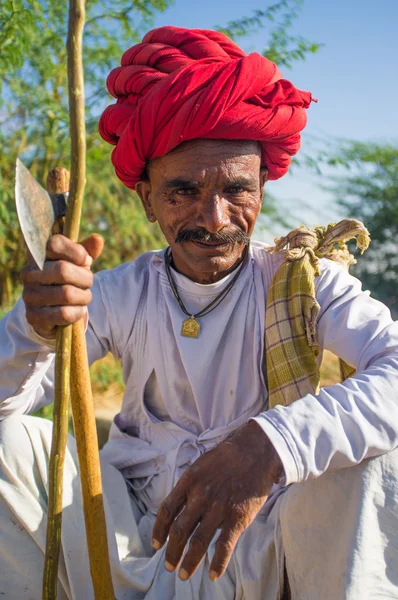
(81, 396)
(56, 465)
(76, 117)
(77, 373)
(90, 474)
(57, 182)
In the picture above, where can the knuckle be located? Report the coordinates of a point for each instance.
(177, 531)
(186, 484)
(67, 314)
(225, 546)
(63, 269)
(55, 244)
(164, 512)
(218, 507)
(68, 294)
(197, 543)
(239, 514)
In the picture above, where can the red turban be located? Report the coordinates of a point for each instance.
(183, 84)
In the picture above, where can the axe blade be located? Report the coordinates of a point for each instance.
(35, 213)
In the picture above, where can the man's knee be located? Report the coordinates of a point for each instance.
(373, 473)
(25, 442)
(16, 446)
(347, 496)
(346, 519)
(25, 447)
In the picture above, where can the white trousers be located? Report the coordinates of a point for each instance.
(338, 535)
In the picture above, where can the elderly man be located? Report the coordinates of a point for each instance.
(217, 485)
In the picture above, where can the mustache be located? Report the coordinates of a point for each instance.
(228, 235)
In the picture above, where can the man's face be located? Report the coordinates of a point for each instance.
(206, 196)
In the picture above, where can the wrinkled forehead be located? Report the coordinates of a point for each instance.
(199, 159)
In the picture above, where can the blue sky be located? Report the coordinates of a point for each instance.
(354, 76)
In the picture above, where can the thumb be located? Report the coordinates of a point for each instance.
(94, 245)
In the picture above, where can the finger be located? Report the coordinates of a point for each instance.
(167, 512)
(55, 295)
(46, 319)
(58, 272)
(94, 245)
(198, 546)
(60, 247)
(180, 531)
(224, 548)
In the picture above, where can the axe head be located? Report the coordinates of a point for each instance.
(37, 212)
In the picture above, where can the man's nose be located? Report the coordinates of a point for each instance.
(214, 214)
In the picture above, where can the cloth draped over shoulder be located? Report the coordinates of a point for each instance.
(183, 84)
(291, 347)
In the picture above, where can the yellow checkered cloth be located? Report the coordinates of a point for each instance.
(292, 309)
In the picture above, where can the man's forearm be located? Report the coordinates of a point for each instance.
(339, 427)
(26, 363)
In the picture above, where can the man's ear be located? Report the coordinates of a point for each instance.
(143, 189)
(263, 176)
(263, 180)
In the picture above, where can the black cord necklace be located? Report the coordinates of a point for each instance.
(191, 327)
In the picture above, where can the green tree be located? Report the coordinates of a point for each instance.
(281, 47)
(34, 111)
(369, 192)
(34, 117)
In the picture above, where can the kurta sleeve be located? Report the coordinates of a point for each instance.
(357, 419)
(27, 359)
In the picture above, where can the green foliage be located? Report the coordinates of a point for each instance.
(46, 412)
(281, 47)
(15, 26)
(106, 373)
(369, 192)
(34, 120)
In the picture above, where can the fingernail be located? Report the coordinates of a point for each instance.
(169, 567)
(183, 574)
(155, 544)
(213, 576)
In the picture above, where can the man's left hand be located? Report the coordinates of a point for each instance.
(224, 489)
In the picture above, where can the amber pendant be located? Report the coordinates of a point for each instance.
(190, 328)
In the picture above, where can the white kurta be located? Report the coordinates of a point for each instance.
(185, 395)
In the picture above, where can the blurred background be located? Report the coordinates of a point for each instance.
(345, 52)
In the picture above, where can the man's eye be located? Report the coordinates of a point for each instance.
(186, 191)
(235, 189)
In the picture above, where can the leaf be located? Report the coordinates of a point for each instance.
(368, 191)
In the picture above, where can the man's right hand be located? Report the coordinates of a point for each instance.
(60, 293)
